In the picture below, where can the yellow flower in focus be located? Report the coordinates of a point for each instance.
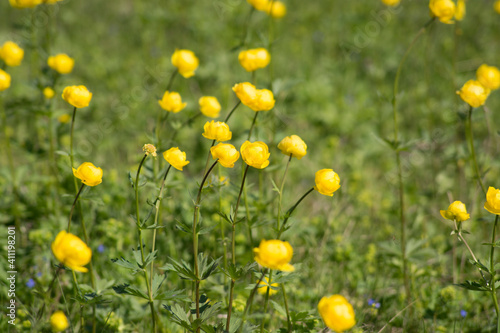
(337, 313)
(58, 321)
(254, 59)
(392, 3)
(4, 80)
(327, 181)
(149, 149)
(444, 10)
(255, 154)
(218, 131)
(274, 254)
(71, 251)
(263, 286)
(474, 93)
(24, 3)
(226, 154)
(246, 92)
(89, 174)
(78, 96)
(293, 146)
(11, 54)
(64, 118)
(186, 62)
(209, 106)
(455, 212)
(496, 6)
(172, 102)
(259, 4)
(488, 76)
(276, 9)
(48, 92)
(460, 11)
(176, 158)
(61, 63)
(492, 204)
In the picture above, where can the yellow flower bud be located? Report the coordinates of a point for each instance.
(259, 4)
(460, 11)
(293, 146)
(225, 153)
(78, 96)
(59, 321)
(218, 131)
(392, 3)
(11, 54)
(172, 102)
(176, 158)
(337, 313)
(488, 76)
(209, 106)
(496, 6)
(492, 204)
(64, 118)
(4, 80)
(71, 251)
(24, 3)
(149, 149)
(48, 92)
(186, 62)
(263, 286)
(254, 59)
(455, 212)
(246, 92)
(276, 9)
(61, 63)
(274, 254)
(327, 182)
(255, 154)
(444, 10)
(474, 93)
(89, 174)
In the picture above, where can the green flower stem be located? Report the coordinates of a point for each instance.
(73, 206)
(493, 273)
(232, 111)
(253, 125)
(159, 125)
(249, 301)
(270, 44)
(458, 228)
(71, 140)
(281, 193)
(171, 80)
(222, 231)
(247, 212)
(266, 301)
(75, 281)
(187, 122)
(290, 211)
(247, 24)
(468, 134)
(285, 300)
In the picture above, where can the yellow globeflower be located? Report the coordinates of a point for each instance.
(337, 313)
(488, 76)
(276, 9)
(25, 3)
(59, 321)
(474, 93)
(176, 158)
(444, 10)
(392, 3)
(61, 63)
(254, 59)
(460, 11)
(48, 92)
(172, 102)
(218, 131)
(455, 212)
(11, 54)
(293, 146)
(259, 4)
(274, 254)
(492, 204)
(255, 154)
(225, 153)
(64, 118)
(246, 92)
(4, 80)
(496, 6)
(186, 62)
(263, 286)
(89, 174)
(209, 106)
(327, 181)
(265, 100)
(78, 96)
(71, 251)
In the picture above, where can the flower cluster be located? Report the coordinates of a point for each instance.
(276, 9)
(475, 92)
(255, 99)
(253, 59)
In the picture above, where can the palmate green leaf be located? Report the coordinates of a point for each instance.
(183, 226)
(157, 282)
(137, 257)
(284, 277)
(177, 315)
(479, 265)
(281, 310)
(473, 285)
(207, 266)
(127, 264)
(236, 272)
(219, 328)
(173, 295)
(210, 311)
(130, 290)
(183, 269)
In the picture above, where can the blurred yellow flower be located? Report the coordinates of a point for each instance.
(176, 158)
(71, 251)
(492, 204)
(64, 118)
(460, 11)
(246, 92)
(255, 154)
(186, 62)
(444, 10)
(455, 212)
(149, 149)
(265, 100)
(337, 313)
(61, 63)
(11, 54)
(218, 131)
(263, 286)
(51, 2)
(474, 93)
(172, 102)
(488, 76)
(226, 153)
(58, 321)
(496, 6)
(78, 96)
(24, 3)
(4, 80)
(259, 4)
(209, 106)
(327, 181)
(276, 9)
(89, 174)
(254, 59)
(294, 146)
(274, 254)
(48, 92)
(392, 3)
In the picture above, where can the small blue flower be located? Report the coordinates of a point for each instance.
(463, 313)
(30, 284)
(100, 248)
(370, 301)
(377, 305)
(39, 274)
